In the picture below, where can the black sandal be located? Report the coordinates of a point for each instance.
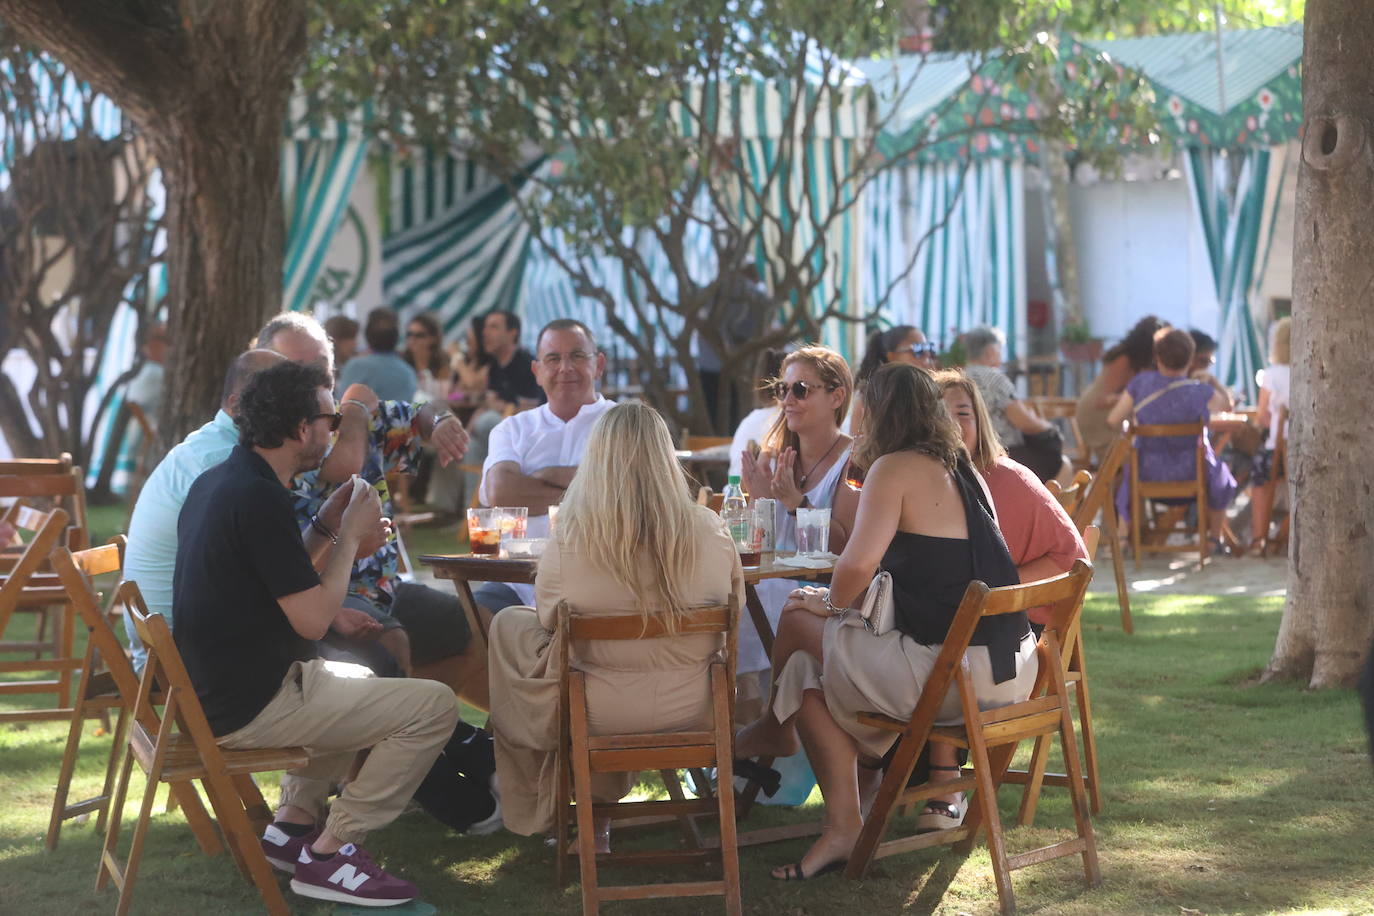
(768, 779)
(794, 871)
(941, 815)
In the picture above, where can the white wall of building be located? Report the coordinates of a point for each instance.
(1140, 252)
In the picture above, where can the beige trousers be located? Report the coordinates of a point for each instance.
(333, 710)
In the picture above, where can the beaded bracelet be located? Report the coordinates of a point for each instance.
(321, 529)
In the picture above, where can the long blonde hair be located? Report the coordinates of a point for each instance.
(989, 449)
(1281, 353)
(630, 500)
(834, 374)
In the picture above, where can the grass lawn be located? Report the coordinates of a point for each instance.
(1221, 797)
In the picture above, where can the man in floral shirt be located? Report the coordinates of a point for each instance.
(377, 438)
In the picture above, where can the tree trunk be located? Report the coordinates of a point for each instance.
(208, 83)
(1327, 621)
(224, 205)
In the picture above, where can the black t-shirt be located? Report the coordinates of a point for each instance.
(516, 380)
(238, 550)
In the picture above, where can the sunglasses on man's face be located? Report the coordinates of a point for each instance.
(334, 419)
(799, 390)
(925, 348)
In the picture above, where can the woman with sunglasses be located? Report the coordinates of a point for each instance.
(802, 464)
(923, 517)
(902, 343)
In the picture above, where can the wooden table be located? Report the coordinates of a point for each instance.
(463, 569)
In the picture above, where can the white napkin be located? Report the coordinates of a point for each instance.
(817, 562)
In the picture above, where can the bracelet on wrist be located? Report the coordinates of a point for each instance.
(367, 411)
(804, 504)
(835, 611)
(322, 529)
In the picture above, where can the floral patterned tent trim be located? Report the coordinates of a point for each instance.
(992, 116)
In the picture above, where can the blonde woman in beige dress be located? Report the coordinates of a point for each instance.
(629, 540)
(924, 518)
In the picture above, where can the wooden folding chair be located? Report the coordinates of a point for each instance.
(175, 745)
(143, 458)
(1278, 482)
(1066, 409)
(25, 589)
(108, 682)
(1151, 534)
(56, 480)
(56, 483)
(1100, 499)
(1076, 677)
(989, 737)
(97, 691)
(1071, 497)
(585, 754)
(710, 499)
(697, 443)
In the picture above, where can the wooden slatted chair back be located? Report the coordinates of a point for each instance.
(1149, 532)
(585, 755)
(55, 480)
(990, 736)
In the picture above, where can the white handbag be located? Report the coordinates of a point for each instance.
(878, 612)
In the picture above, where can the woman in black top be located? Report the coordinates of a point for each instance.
(924, 517)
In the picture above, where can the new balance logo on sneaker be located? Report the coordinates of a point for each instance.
(349, 876)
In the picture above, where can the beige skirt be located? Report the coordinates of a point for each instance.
(885, 674)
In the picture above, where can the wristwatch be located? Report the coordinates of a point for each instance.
(804, 504)
(439, 417)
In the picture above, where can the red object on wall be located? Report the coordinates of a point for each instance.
(1037, 313)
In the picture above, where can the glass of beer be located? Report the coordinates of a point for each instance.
(484, 532)
(747, 535)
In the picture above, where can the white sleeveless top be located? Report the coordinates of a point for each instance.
(773, 592)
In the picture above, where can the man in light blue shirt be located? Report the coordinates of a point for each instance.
(151, 556)
(383, 370)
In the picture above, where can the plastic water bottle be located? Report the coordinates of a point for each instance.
(734, 495)
(735, 510)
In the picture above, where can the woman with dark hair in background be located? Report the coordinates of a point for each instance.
(1123, 362)
(425, 354)
(901, 343)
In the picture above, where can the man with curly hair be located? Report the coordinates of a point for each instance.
(248, 606)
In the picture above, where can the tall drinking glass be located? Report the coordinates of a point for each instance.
(813, 532)
(484, 532)
(747, 535)
(512, 522)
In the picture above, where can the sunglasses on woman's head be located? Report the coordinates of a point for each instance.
(799, 390)
(925, 348)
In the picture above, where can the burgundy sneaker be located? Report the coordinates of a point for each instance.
(349, 876)
(282, 849)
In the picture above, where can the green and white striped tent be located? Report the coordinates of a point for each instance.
(1229, 103)
(945, 227)
(457, 245)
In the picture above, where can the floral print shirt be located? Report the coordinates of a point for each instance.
(393, 447)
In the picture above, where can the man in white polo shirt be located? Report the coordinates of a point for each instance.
(533, 455)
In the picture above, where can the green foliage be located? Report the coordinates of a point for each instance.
(1074, 333)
